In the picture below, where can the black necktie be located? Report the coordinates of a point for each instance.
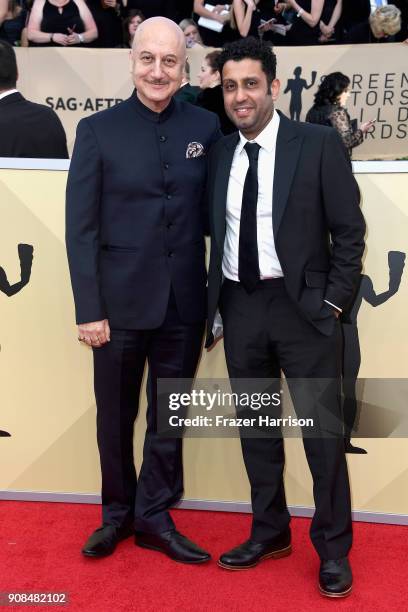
(248, 259)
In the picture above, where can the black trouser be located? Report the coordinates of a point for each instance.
(263, 334)
(172, 351)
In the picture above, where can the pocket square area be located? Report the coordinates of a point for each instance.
(194, 149)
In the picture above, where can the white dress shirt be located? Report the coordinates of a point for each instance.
(269, 265)
(7, 93)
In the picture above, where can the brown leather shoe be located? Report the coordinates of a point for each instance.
(335, 578)
(250, 553)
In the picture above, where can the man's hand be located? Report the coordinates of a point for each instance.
(337, 313)
(94, 334)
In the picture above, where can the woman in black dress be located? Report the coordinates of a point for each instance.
(13, 16)
(130, 25)
(221, 13)
(211, 97)
(305, 26)
(154, 8)
(248, 15)
(329, 109)
(61, 22)
(330, 30)
(106, 14)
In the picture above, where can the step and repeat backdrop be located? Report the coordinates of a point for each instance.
(47, 407)
(79, 82)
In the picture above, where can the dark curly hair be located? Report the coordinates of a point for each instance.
(250, 48)
(331, 88)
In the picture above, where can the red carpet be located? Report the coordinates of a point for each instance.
(40, 551)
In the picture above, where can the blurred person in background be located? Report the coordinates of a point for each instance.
(13, 16)
(330, 22)
(106, 14)
(359, 15)
(26, 129)
(152, 8)
(221, 13)
(384, 24)
(402, 36)
(187, 92)
(184, 9)
(211, 97)
(191, 33)
(130, 25)
(305, 25)
(247, 17)
(61, 23)
(329, 109)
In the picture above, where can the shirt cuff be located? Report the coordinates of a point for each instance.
(334, 306)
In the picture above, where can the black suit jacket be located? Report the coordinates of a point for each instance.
(317, 223)
(30, 130)
(135, 219)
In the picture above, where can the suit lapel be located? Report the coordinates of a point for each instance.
(288, 145)
(222, 174)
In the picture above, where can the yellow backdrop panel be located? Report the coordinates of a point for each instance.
(78, 82)
(47, 401)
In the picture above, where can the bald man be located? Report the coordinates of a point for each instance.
(135, 242)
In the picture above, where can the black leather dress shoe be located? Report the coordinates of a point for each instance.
(104, 540)
(174, 545)
(250, 553)
(335, 578)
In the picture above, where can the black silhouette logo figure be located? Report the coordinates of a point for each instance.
(351, 347)
(25, 254)
(296, 87)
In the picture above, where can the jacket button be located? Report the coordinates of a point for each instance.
(168, 196)
(170, 254)
(163, 138)
(169, 225)
(166, 166)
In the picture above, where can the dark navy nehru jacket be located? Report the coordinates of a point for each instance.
(135, 213)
